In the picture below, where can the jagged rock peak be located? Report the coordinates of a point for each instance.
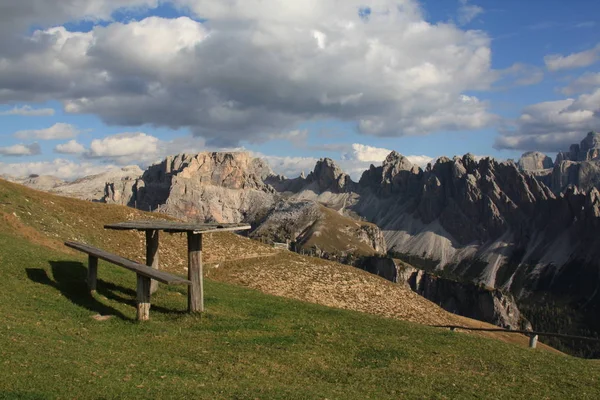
(587, 150)
(534, 161)
(329, 176)
(591, 141)
(396, 162)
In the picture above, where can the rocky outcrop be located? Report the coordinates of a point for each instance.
(312, 227)
(220, 187)
(462, 298)
(535, 161)
(327, 176)
(469, 299)
(580, 166)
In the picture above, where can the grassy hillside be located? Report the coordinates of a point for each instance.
(247, 345)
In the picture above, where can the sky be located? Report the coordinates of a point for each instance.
(87, 85)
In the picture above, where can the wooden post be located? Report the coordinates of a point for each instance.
(143, 298)
(92, 272)
(152, 255)
(196, 289)
(533, 341)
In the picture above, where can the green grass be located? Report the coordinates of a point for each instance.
(247, 345)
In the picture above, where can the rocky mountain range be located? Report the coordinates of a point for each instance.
(528, 228)
(90, 187)
(579, 166)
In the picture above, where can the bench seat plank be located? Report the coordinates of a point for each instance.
(141, 269)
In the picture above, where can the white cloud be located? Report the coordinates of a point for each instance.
(29, 111)
(467, 12)
(556, 62)
(368, 154)
(63, 169)
(290, 167)
(365, 153)
(256, 68)
(552, 126)
(56, 131)
(70, 147)
(141, 148)
(126, 147)
(584, 83)
(21, 150)
(421, 161)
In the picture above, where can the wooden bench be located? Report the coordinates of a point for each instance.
(144, 275)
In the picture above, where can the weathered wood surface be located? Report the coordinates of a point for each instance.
(142, 269)
(196, 289)
(92, 272)
(143, 297)
(176, 227)
(533, 339)
(152, 255)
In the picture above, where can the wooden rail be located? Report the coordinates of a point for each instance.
(533, 335)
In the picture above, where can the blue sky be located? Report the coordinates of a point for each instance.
(347, 80)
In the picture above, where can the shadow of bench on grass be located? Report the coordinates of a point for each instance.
(70, 279)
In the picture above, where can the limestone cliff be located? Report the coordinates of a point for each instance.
(220, 187)
(580, 166)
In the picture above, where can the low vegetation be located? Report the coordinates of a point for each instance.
(247, 345)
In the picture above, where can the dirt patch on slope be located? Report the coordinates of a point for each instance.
(335, 285)
(331, 284)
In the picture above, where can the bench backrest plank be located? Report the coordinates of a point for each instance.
(141, 269)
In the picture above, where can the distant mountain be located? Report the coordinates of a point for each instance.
(580, 166)
(528, 227)
(87, 188)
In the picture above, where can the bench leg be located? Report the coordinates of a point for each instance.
(92, 273)
(196, 290)
(152, 255)
(143, 298)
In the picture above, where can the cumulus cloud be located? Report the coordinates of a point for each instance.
(70, 147)
(557, 62)
(125, 148)
(582, 84)
(61, 168)
(467, 12)
(56, 131)
(256, 68)
(552, 126)
(365, 153)
(141, 148)
(28, 111)
(18, 150)
(361, 156)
